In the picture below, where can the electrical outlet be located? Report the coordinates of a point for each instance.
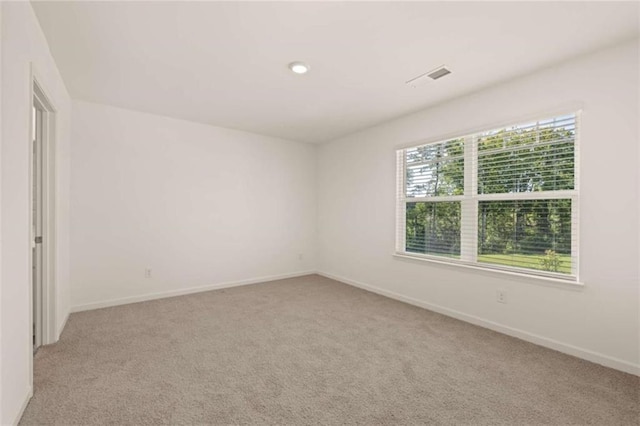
(147, 273)
(501, 296)
(300, 256)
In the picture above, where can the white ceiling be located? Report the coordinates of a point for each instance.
(226, 63)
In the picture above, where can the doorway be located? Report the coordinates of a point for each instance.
(36, 222)
(42, 218)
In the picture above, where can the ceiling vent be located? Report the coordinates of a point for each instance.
(438, 73)
(435, 74)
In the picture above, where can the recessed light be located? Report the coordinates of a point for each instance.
(299, 67)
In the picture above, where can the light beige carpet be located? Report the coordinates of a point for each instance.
(310, 351)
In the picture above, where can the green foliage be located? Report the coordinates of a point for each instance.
(525, 159)
(529, 261)
(550, 261)
(524, 226)
(434, 170)
(433, 228)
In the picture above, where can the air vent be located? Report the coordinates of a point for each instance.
(435, 74)
(438, 73)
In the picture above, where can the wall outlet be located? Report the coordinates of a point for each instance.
(147, 273)
(501, 296)
(300, 256)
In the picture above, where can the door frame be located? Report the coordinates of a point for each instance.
(39, 95)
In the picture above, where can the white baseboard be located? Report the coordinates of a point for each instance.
(62, 326)
(586, 354)
(181, 292)
(23, 407)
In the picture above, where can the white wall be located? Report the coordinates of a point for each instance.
(199, 205)
(23, 43)
(356, 216)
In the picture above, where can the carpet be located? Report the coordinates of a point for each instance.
(305, 351)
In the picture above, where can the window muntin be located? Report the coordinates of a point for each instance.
(505, 198)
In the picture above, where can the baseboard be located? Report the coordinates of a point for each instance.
(181, 292)
(62, 326)
(23, 407)
(578, 352)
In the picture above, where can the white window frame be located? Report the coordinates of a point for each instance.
(470, 200)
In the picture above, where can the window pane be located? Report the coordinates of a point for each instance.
(533, 157)
(433, 228)
(532, 234)
(435, 169)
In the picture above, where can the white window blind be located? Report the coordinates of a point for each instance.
(505, 198)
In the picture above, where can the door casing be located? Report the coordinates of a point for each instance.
(38, 96)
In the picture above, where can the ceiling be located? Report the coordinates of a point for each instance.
(225, 63)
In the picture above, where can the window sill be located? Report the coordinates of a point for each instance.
(537, 279)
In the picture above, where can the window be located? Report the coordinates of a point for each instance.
(502, 199)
